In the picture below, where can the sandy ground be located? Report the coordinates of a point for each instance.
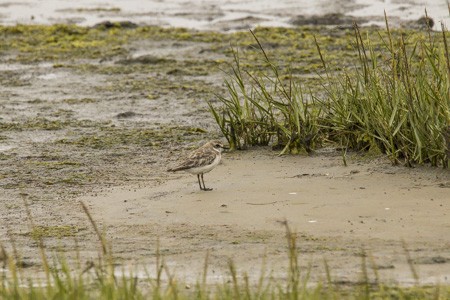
(339, 213)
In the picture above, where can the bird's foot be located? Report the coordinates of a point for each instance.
(207, 189)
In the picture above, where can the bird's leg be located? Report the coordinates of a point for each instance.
(198, 177)
(204, 187)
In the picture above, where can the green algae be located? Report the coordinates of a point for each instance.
(74, 101)
(99, 9)
(34, 124)
(292, 49)
(41, 123)
(153, 86)
(58, 231)
(296, 46)
(112, 137)
(33, 43)
(12, 79)
(108, 51)
(56, 165)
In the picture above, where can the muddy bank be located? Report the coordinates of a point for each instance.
(339, 213)
(97, 114)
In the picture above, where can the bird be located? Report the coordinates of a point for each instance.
(201, 161)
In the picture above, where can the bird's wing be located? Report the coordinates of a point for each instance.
(198, 158)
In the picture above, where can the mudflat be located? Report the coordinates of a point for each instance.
(100, 116)
(339, 214)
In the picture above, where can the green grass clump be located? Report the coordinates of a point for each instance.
(395, 100)
(261, 107)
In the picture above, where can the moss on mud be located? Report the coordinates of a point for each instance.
(122, 65)
(109, 138)
(36, 43)
(40, 123)
(61, 231)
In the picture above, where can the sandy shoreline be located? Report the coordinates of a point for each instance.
(337, 211)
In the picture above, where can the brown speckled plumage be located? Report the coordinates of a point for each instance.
(201, 161)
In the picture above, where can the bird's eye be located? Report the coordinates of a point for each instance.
(218, 145)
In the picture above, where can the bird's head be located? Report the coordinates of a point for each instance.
(217, 145)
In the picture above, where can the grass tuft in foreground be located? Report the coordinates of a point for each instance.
(395, 100)
(99, 279)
